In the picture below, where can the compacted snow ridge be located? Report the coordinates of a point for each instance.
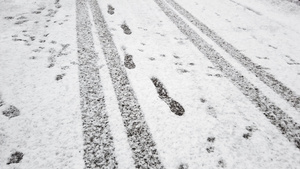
(152, 84)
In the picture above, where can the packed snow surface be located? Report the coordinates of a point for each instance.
(171, 84)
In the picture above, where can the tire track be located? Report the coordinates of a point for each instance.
(297, 2)
(245, 7)
(278, 87)
(98, 142)
(284, 123)
(145, 154)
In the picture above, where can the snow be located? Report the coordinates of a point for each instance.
(220, 127)
(48, 131)
(122, 149)
(257, 35)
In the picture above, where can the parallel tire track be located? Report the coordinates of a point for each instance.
(286, 93)
(145, 154)
(98, 141)
(297, 2)
(277, 117)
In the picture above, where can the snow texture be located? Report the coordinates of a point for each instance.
(169, 84)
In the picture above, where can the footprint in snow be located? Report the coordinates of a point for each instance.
(41, 8)
(181, 71)
(247, 135)
(21, 17)
(174, 106)
(15, 158)
(250, 130)
(126, 29)
(53, 42)
(176, 57)
(9, 17)
(21, 22)
(210, 149)
(211, 111)
(128, 62)
(59, 77)
(152, 58)
(221, 163)
(202, 100)
(110, 10)
(178, 63)
(211, 139)
(11, 112)
(57, 5)
(183, 166)
(32, 57)
(36, 12)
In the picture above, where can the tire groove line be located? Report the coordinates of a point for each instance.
(284, 123)
(277, 86)
(295, 2)
(98, 141)
(144, 150)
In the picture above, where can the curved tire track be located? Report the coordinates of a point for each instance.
(145, 154)
(286, 93)
(284, 123)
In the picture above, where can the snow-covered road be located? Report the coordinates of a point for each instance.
(169, 84)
